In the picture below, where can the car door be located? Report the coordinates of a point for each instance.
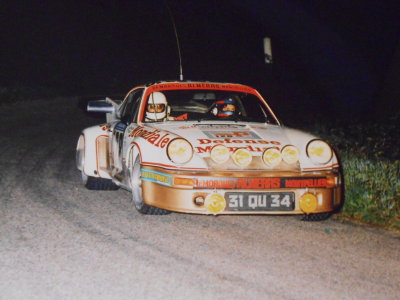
(127, 113)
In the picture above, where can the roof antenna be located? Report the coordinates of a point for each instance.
(177, 40)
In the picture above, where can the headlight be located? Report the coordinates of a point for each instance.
(272, 157)
(290, 154)
(242, 157)
(219, 154)
(319, 152)
(179, 151)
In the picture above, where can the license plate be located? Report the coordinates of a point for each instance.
(276, 201)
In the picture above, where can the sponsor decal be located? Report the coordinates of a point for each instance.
(154, 137)
(258, 183)
(120, 127)
(239, 143)
(201, 85)
(105, 127)
(157, 177)
(213, 126)
(259, 127)
(219, 126)
(304, 183)
(232, 134)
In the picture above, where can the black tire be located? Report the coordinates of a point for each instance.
(137, 199)
(96, 183)
(316, 217)
(152, 210)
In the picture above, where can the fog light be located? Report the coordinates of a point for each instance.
(215, 203)
(308, 203)
(199, 200)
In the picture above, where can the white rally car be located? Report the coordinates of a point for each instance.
(207, 148)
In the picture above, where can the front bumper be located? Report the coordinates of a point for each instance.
(182, 191)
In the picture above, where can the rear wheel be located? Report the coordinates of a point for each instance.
(97, 183)
(137, 198)
(316, 217)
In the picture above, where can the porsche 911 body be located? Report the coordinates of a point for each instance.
(208, 148)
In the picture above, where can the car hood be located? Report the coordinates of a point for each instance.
(254, 136)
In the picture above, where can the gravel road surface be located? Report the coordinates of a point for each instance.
(61, 241)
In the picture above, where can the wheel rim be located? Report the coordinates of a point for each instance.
(136, 184)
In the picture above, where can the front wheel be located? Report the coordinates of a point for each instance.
(137, 198)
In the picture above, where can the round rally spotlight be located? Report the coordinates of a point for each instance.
(242, 157)
(272, 157)
(290, 154)
(219, 154)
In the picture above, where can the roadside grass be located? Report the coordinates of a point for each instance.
(370, 156)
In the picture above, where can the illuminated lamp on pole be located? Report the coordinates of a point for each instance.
(267, 50)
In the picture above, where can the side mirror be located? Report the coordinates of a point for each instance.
(100, 106)
(108, 106)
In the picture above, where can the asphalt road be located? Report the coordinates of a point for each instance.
(61, 241)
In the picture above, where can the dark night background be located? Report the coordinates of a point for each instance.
(339, 56)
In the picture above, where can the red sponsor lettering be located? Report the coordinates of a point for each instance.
(203, 149)
(214, 183)
(229, 141)
(231, 134)
(304, 183)
(258, 183)
(153, 137)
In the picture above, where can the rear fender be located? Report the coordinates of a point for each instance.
(96, 161)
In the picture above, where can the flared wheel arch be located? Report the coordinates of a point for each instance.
(134, 162)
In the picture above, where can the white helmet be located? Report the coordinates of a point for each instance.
(157, 107)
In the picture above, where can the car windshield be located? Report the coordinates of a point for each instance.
(202, 105)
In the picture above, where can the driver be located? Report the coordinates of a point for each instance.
(224, 108)
(157, 109)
